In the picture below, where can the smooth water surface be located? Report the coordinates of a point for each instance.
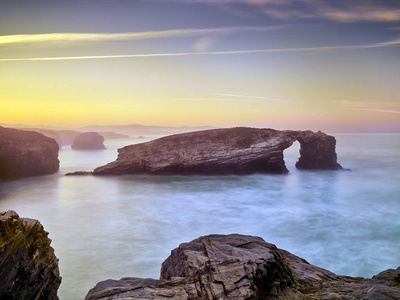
(113, 227)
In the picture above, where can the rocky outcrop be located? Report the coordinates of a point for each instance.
(26, 153)
(28, 265)
(223, 152)
(88, 141)
(242, 267)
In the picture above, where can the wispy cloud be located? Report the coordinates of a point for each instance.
(234, 52)
(252, 97)
(339, 11)
(376, 110)
(381, 107)
(101, 37)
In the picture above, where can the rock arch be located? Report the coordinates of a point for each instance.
(239, 150)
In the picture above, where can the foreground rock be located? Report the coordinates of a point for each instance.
(88, 141)
(224, 152)
(28, 265)
(245, 267)
(26, 153)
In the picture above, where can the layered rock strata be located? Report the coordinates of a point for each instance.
(28, 265)
(224, 152)
(88, 141)
(26, 153)
(245, 267)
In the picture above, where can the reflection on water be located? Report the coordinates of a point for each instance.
(112, 227)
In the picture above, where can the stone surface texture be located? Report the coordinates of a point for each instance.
(26, 154)
(88, 141)
(245, 267)
(28, 265)
(223, 152)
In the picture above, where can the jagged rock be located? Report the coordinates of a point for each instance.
(223, 152)
(28, 265)
(26, 153)
(244, 267)
(88, 141)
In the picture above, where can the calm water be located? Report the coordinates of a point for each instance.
(113, 227)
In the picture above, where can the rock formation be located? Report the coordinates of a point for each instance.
(28, 265)
(88, 141)
(26, 153)
(241, 267)
(223, 152)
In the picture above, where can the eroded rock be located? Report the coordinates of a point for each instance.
(224, 152)
(245, 267)
(26, 153)
(28, 265)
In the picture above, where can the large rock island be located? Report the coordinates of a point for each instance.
(28, 265)
(223, 152)
(26, 153)
(240, 267)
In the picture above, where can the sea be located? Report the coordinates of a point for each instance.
(125, 226)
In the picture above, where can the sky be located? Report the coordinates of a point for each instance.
(285, 64)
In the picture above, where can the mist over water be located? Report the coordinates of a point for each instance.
(113, 227)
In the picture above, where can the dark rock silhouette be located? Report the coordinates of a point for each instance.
(28, 265)
(88, 141)
(223, 152)
(240, 267)
(26, 153)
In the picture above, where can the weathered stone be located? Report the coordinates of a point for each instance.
(26, 153)
(88, 141)
(28, 265)
(245, 267)
(317, 151)
(223, 152)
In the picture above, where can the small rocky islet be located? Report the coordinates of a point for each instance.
(88, 141)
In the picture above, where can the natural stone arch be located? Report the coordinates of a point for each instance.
(228, 151)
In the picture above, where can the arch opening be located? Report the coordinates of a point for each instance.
(291, 156)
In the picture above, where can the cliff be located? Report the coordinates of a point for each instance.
(26, 153)
(240, 267)
(223, 152)
(28, 265)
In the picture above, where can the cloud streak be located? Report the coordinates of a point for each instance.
(234, 52)
(376, 110)
(381, 107)
(251, 97)
(102, 37)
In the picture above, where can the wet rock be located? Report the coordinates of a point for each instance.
(28, 265)
(244, 267)
(88, 141)
(223, 152)
(26, 153)
(79, 173)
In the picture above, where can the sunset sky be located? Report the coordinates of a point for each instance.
(285, 64)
